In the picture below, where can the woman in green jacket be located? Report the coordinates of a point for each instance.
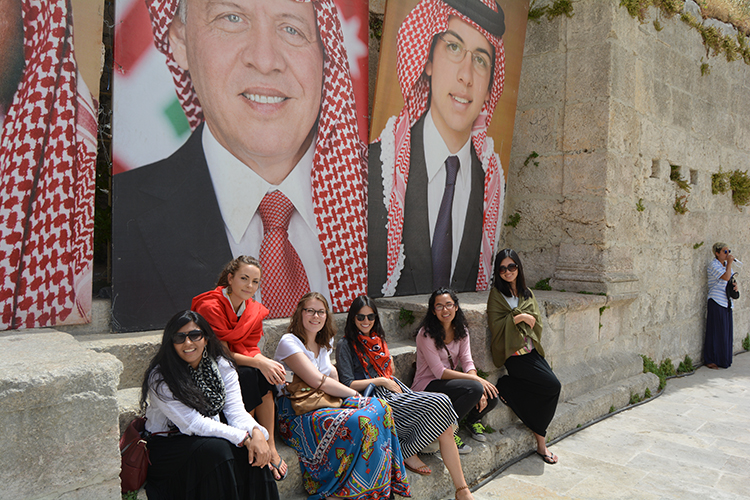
(530, 389)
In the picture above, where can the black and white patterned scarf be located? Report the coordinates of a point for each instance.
(208, 379)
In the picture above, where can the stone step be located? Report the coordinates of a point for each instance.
(510, 441)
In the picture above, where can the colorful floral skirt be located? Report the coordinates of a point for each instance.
(349, 452)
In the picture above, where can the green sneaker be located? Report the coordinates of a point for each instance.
(477, 432)
(463, 448)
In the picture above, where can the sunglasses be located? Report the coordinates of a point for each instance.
(193, 335)
(509, 269)
(361, 317)
(727, 252)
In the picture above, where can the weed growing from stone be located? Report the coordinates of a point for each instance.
(676, 176)
(376, 26)
(558, 8)
(639, 206)
(130, 495)
(719, 182)
(680, 204)
(705, 69)
(697, 245)
(739, 182)
(405, 317)
(686, 365)
(513, 220)
(634, 398)
(647, 394)
(650, 366)
(533, 156)
(612, 409)
(543, 285)
(746, 342)
(602, 309)
(667, 368)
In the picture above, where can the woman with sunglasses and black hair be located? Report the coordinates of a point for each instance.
(444, 364)
(530, 389)
(208, 446)
(363, 358)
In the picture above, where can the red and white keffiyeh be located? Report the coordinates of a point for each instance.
(339, 170)
(427, 19)
(47, 167)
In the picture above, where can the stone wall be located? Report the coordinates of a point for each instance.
(609, 105)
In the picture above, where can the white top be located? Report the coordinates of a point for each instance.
(717, 287)
(290, 344)
(165, 408)
(512, 301)
(435, 154)
(239, 191)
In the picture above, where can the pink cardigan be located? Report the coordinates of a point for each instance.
(431, 362)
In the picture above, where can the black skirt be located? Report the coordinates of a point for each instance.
(204, 468)
(531, 390)
(254, 386)
(717, 348)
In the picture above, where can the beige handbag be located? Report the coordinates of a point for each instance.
(305, 399)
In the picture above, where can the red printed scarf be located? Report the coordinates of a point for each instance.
(373, 351)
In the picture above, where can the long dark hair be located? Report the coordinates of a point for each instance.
(502, 285)
(351, 331)
(174, 370)
(325, 335)
(434, 328)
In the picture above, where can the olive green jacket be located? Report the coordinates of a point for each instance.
(508, 337)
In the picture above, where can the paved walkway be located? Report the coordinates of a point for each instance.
(692, 442)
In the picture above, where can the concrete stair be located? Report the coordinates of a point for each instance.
(591, 387)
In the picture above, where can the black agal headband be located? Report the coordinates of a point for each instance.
(489, 20)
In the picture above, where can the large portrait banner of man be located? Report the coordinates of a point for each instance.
(443, 118)
(275, 165)
(47, 160)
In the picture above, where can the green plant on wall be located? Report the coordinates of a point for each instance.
(697, 245)
(405, 317)
(676, 176)
(557, 9)
(686, 365)
(543, 284)
(746, 342)
(513, 220)
(667, 368)
(739, 183)
(680, 204)
(720, 182)
(639, 205)
(532, 156)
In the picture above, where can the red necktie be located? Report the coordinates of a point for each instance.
(284, 276)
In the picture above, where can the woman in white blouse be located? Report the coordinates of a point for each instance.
(204, 444)
(347, 452)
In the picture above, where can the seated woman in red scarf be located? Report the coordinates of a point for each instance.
(237, 319)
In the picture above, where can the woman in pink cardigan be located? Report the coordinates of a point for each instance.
(444, 364)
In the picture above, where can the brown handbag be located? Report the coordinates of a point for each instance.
(305, 399)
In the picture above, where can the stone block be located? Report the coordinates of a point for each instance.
(542, 37)
(623, 66)
(593, 20)
(134, 350)
(537, 220)
(585, 174)
(536, 129)
(530, 179)
(586, 126)
(624, 129)
(542, 80)
(588, 69)
(58, 412)
(683, 109)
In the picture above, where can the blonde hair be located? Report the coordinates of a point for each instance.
(718, 246)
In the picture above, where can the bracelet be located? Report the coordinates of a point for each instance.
(242, 443)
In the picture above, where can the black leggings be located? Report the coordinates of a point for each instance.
(465, 395)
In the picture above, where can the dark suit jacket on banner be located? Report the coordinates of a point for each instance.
(169, 238)
(416, 276)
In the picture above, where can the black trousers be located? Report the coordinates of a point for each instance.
(465, 395)
(531, 390)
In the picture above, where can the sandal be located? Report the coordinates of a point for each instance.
(278, 469)
(550, 459)
(422, 470)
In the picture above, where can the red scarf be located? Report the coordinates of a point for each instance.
(373, 351)
(241, 334)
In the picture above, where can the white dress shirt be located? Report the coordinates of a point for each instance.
(239, 191)
(435, 154)
(164, 409)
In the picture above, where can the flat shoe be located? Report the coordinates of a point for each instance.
(550, 459)
(278, 469)
(422, 470)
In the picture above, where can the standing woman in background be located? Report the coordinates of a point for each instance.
(530, 389)
(237, 319)
(717, 349)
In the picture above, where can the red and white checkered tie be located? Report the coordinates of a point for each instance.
(284, 276)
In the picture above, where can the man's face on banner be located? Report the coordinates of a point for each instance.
(11, 51)
(257, 67)
(458, 89)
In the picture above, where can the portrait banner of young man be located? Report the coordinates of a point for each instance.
(274, 167)
(436, 179)
(47, 161)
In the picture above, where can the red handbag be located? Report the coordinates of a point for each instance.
(134, 454)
